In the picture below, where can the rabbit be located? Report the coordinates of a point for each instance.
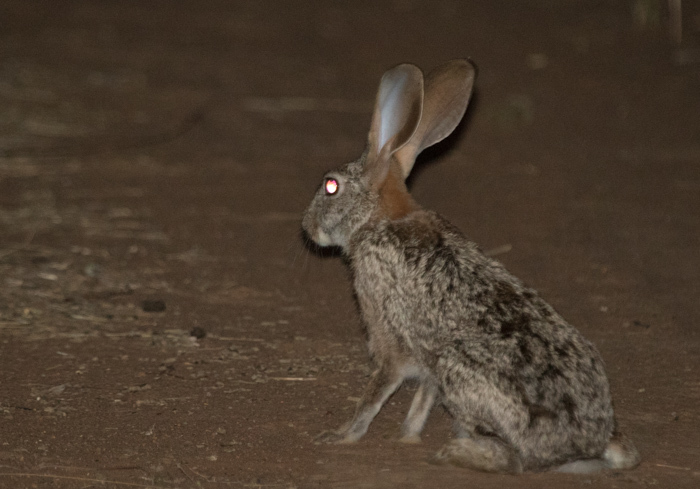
(526, 390)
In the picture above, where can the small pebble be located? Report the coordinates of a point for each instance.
(198, 332)
(92, 270)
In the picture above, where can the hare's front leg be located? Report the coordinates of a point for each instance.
(382, 384)
(418, 413)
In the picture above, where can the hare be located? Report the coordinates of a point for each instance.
(527, 392)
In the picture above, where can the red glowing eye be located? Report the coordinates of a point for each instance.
(331, 186)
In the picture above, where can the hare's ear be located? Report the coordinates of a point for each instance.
(397, 112)
(447, 92)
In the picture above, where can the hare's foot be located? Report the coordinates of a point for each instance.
(484, 453)
(410, 439)
(382, 384)
(336, 437)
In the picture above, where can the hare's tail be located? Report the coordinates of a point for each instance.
(620, 454)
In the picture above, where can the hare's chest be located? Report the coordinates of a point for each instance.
(391, 311)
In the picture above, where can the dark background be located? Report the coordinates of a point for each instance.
(155, 158)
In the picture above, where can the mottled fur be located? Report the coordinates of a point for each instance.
(526, 390)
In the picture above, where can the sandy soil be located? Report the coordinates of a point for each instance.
(161, 323)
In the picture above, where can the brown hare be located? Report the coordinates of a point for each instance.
(526, 390)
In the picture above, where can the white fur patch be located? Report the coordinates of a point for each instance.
(322, 238)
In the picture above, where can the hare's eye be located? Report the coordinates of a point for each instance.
(331, 186)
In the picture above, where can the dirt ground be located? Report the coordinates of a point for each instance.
(162, 324)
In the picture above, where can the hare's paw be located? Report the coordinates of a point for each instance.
(335, 437)
(410, 439)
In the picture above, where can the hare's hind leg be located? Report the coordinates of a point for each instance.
(418, 413)
(382, 384)
(484, 453)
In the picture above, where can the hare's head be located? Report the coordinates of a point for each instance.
(410, 114)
